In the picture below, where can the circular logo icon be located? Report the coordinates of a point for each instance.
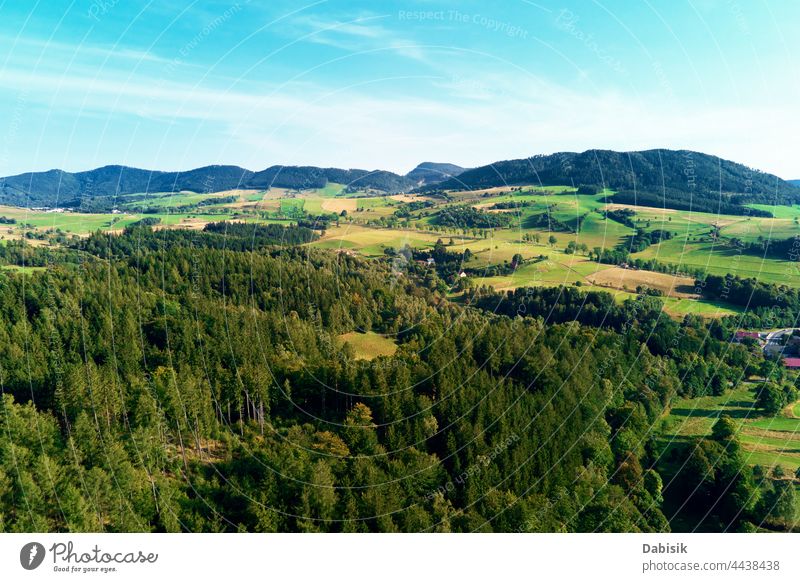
(31, 555)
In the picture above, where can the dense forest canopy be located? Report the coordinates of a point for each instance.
(165, 381)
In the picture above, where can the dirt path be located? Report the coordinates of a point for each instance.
(788, 411)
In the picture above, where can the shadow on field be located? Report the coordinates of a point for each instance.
(733, 413)
(686, 289)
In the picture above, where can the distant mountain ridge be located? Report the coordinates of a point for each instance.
(66, 189)
(303, 177)
(659, 172)
(669, 178)
(433, 173)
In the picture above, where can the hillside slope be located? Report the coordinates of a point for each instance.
(661, 172)
(434, 172)
(302, 177)
(674, 179)
(65, 189)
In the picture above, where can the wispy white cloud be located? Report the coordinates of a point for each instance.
(42, 50)
(363, 33)
(470, 116)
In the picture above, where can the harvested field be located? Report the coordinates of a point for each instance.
(338, 204)
(629, 279)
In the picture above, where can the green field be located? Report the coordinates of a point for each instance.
(172, 200)
(373, 241)
(23, 270)
(779, 211)
(369, 227)
(718, 260)
(766, 441)
(703, 307)
(368, 346)
(67, 222)
(331, 189)
(292, 206)
(692, 246)
(691, 249)
(254, 196)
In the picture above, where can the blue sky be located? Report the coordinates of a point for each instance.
(176, 85)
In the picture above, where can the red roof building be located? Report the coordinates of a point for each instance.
(745, 334)
(793, 363)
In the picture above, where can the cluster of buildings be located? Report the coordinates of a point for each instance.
(780, 343)
(51, 210)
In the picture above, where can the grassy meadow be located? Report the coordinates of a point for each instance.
(368, 224)
(369, 345)
(766, 441)
(691, 248)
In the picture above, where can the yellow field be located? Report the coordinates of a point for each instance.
(629, 279)
(373, 241)
(368, 346)
(338, 204)
(411, 198)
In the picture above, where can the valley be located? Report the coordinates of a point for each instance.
(392, 284)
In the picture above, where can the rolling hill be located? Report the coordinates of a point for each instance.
(66, 189)
(662, 176)
(304, 177)
(681, 179)
(434, 173)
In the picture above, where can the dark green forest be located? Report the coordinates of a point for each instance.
(194, 381)
(679, 179)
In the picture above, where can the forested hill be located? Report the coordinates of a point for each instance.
(66, 189)
(674, 179)
(433, 172)
(645, 171)
(223, 398)
(312, 177)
